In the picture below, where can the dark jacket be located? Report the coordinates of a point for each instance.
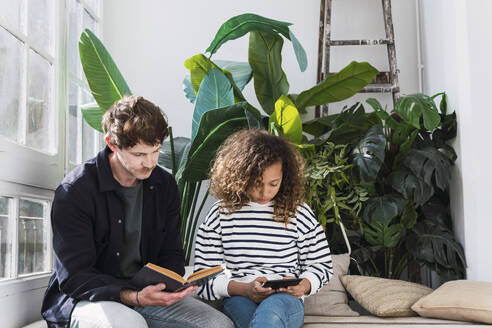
(87, 218)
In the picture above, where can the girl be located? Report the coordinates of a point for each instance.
(261, 230)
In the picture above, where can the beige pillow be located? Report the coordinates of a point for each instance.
(465, 300)
(331, 300)
(384, 297)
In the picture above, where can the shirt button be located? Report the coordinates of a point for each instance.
(117, 253)
(119, 221)
(151, 187)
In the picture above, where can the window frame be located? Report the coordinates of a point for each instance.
(40, 172)
(16, 191)
(11, 152)
(80, 83)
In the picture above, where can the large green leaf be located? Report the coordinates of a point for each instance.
(299, 52)
(188, 89)
(199, 66)
(287, 119)
(369, 153)
(411, 186)
(238, 26)
(382, 209)
(215, 126)
(438, 247)
(105, 80)
(165, 154)
(428, 163)
(339, 86)
(264, 56)
(215, 92)
(380, 234)
(241, 71)
(92, 114)
(413, 107)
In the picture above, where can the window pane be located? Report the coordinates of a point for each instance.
(11, 13)
(74, 31)
(40, 23)
(4, 238)
(88, 133)
(40, 120)
(33, 243)
(73, 125)
(11, 65)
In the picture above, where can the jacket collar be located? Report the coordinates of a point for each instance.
(105, 176)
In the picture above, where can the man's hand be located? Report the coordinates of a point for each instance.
(256, 292)
(154, 296)
(299, 290)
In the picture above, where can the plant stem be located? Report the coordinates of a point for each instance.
(390, 265)
(195, 222)
(192, 215)
(173, 154)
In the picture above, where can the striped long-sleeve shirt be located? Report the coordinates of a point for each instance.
(252, 244)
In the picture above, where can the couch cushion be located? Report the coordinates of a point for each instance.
(331, 300)
(459, 300)
(384, 297)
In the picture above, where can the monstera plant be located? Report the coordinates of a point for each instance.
(401, 163)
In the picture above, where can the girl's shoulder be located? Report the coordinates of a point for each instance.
(306, 215)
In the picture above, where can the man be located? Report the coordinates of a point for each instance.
(110, 216)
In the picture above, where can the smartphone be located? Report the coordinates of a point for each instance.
(282, 283)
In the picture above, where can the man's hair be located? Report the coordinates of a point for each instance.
(133, 119)
(240, 163)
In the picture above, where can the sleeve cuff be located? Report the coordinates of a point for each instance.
(220, 284)
(313, 279)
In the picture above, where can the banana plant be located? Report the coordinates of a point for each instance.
(266, 39)
(215, 117)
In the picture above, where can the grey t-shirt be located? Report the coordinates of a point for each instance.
(130, 261)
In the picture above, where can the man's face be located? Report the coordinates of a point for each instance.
(139, 160)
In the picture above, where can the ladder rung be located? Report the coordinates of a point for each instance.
(381, 78)
(385, 88)
(360, 42)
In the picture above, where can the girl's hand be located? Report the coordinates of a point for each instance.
(299, 290)
(256, 292)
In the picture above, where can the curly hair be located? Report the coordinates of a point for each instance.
(134, 119)
(239, 166)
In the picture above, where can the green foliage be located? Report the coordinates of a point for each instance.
(265, 58)
(332, 191)
(403, 161)
(286, 120)
(105, 80)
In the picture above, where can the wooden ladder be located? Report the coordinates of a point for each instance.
(384, 82)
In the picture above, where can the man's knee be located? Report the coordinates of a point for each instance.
(105, 315)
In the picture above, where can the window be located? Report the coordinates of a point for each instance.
(25, 236)
(83, 141)
(30, 129)
(27, 64)
(42, 133)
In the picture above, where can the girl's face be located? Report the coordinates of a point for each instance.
(270, 184)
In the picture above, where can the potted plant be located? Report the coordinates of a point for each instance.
(399, 217)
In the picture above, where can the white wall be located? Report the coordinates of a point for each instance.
(150, 40)
(456, 49)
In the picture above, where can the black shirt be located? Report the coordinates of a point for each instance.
(88, 240)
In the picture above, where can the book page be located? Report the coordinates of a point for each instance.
(166, 272)
(204, 273)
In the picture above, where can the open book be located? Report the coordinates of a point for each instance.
(152, 274)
